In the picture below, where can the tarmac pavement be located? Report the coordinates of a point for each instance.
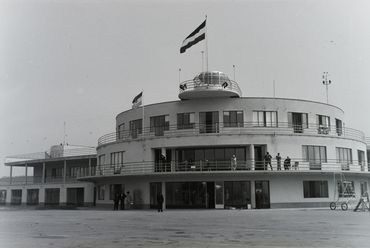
(23, 228)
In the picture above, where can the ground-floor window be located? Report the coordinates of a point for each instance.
(363, 188)
(346, 188)
(32, 196)
(16, 197)
(186, 194)
(2, 196)
(237, 194)
(101, 192)
(75, 196)
(315, 189)
(52, 196)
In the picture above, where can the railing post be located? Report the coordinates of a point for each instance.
(26, 172)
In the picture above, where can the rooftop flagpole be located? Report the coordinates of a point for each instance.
(206, 45)
(142, 103)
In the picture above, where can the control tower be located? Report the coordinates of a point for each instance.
(209, 84)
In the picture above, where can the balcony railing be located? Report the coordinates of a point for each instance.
(296, 165)
(191, 85)
(35, 180)
(45, 155)
(195, 129)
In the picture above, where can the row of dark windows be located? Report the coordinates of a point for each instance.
(208, 121)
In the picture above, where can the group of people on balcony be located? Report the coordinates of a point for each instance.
(267, 161)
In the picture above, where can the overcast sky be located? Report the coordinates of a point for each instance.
(82, 62)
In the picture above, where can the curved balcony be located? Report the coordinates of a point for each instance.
(199, 129)
(173, 167)
(209, 84)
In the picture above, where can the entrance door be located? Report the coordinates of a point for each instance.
(155, 190)
(219, 194)
(210, 195)
(259, 153)
(262, 194)
(208, 122)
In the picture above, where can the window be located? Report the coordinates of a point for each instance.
(57, 172)
(136, 127)
(73, 172)
(32, 196)
(208, 122)
(233, 119)
(120, 131)
(116, 158)
(185, 120)
(344, 157)
(315, 155)
(346, 188)
(323, 124)
(2, 196)
(265, 118)
(159, 124)
(363, 188)
(361, 159)
(101, 192)
(297, 121)
(101, 160)
(16, 198)
(315, 189)
(339, 127)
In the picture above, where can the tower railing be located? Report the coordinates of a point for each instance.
(230, 128)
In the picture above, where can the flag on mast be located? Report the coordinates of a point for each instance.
(138, 100)
(197, 35)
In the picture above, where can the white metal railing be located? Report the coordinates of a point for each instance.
(195, 129)
(296, 165)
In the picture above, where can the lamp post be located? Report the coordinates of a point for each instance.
(326, 82)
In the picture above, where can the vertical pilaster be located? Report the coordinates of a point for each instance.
(89, 167)
(11, 175)
(26, 172)
(251, 156)
(43, 173)
(253, 194)
(64, 171)
(164, 194)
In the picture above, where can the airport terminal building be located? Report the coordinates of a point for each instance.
(208, 150)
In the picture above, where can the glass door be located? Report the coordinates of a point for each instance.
(208, 122)
(219, 194)
(262, 194)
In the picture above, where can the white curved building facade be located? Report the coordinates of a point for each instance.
(184, 149)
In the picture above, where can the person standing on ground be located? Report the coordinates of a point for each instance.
(268, 158)
(122, 199)
(116, 201)
(278, 161)
(160, 201)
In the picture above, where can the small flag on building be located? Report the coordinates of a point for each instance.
(138, 100)
(197, 35)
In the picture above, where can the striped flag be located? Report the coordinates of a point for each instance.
(197, 35)
(138, 100)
